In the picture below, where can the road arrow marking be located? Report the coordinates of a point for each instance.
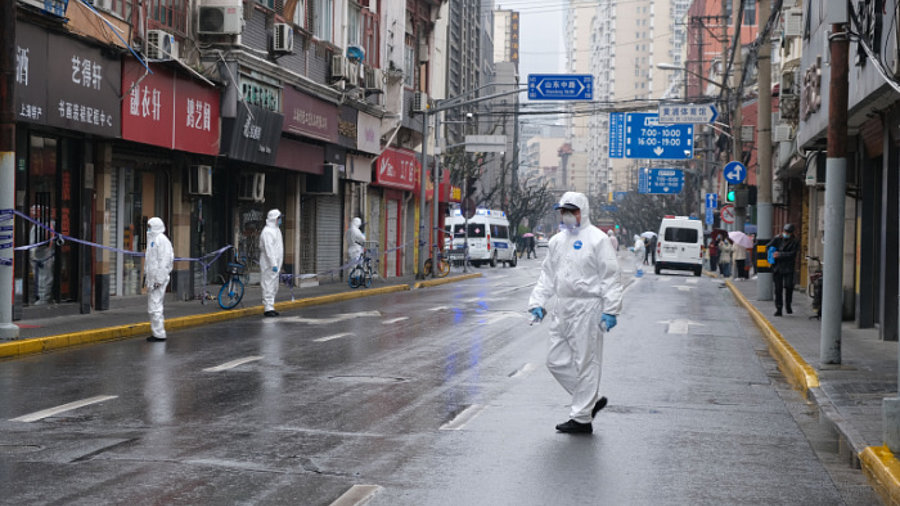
(233, 364)
(679, 326)
(332, 337)
(356, 495)
(40, 415)
(327, 321)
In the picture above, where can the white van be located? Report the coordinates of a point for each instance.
(490, 240)
(680, 244)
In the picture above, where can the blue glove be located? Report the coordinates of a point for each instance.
(609, 321)
(538, 313)
(274, 269)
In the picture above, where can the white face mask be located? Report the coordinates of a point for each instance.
(569, 221)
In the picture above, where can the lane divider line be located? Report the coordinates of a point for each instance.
(395, 320)
(356, 495)
(233, 364)
(525, 369)
(45, 413)
(333, 337)
(461, 420)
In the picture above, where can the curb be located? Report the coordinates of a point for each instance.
(797, 370)
(883, 471)
(42, 344)
(444, 281)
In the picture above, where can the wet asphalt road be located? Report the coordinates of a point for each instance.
(437, 396)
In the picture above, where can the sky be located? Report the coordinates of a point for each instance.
(540, 35)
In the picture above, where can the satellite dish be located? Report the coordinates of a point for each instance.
(356, 53)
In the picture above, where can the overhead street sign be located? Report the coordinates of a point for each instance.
(687, 113)
(709, 216)
(712, 200)
(728, 213)
(560, 87)
(645, 138)
(617, 135)
(660, 181)
(485, 143)
(734, 172)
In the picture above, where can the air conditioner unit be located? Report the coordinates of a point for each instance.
(420, 102)
(793, 23)
(220, 17)
(102, 4)
(200, 180)
(252, 186)
(783, 133)
(326, 184)
(374, 79)
(160, 45)
(283, 38)
(338, 67)
(424, 51)
(353, 74)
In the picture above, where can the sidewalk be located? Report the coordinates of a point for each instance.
(850, 394)
(55, 326)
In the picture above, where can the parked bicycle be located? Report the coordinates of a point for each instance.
(814, 289)
(443, 266)
(232, 290)
(363, 272)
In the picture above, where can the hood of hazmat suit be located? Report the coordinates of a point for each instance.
(159, 256)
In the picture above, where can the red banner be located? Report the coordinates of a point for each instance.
(164, 110)
(397, 169)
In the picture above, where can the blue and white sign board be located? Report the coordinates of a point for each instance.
(734, 172)
(660, 181)
(617, 135)
(712, 200)
(560, 87)
(646, 138)
(687, 113)
(710, 218)
(619, 196)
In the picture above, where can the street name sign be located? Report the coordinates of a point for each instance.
(617, 135)
(660, 181)
(734, 172)
(560, 87)
(645, 138)
(687, 113)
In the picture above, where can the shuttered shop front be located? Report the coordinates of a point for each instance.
(328, 236)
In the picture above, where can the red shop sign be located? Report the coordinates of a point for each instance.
(164, 110)
(397, 169)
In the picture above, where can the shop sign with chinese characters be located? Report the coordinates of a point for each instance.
(397, 168)
(253, 135)
(65, 83)
(310, 117)
(166, 110)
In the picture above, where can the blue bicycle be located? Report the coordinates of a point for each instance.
(232, 290)
(363, 272)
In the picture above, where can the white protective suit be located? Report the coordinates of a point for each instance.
(355, 240)
(613, 240)
(581, 273)
(158, 260)
(271, 255)
(42, 260)
(639, 251)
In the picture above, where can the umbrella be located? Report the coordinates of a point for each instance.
(648, 235)
(528, 234)
(741, 239)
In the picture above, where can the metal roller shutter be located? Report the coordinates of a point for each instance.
(328, 234)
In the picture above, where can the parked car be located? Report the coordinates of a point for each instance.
(542, 242)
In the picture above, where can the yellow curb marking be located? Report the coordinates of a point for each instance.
(790, 362)
(443, 281)
(883, 472)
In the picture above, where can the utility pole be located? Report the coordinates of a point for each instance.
(435, 219)
(740, 212)
(835, 191)
(764, 150)
(423, 178)
(8, 331)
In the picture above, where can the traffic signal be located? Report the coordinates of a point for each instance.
(730, 195)
(617, 226)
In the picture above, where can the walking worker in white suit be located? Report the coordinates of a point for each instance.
(271, 255)
(158, 260)
(581, 273)
(355, 240)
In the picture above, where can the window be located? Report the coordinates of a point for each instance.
(675, 234)
(354, 30)
(499, 232)
(409, 62)
(170, 15)
(369, 37)
(323, 10)
(301, 14)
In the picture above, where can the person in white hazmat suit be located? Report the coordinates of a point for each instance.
(355, 240)
(581, 273)
(638, 250)
(158, 260)
(271, 255)
(613, 240)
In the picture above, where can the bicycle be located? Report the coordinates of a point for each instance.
(232, 290)
(363, 272)
(443, 267)
(814, 289)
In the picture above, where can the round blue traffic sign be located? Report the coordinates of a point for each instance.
(735, 172)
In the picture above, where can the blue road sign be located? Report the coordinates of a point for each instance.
(619, 196)
(617, 135)
(560, 87)
(687, 113)
(611, 208)
(712, 200)
(646, 138)
(710, 218)
(664, 181)
(734, 172)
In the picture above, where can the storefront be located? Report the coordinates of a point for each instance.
(395, 175)
(66, 107)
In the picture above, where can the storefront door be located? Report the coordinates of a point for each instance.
(142, 194)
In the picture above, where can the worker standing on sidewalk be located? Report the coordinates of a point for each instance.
(271, 255)
(783, 271)
(580, 271)
(158, 260)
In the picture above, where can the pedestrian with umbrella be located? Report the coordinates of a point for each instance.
(529, 245)
(742, 242)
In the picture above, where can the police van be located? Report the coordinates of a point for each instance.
(490, 240)
(679, 244)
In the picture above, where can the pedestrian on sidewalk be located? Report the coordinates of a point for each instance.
(158, 260)
(612, 238)
(355, 240)
(529, 247)
(713, 254)
(740, 262)
(783, 270)
(725, 252)
(580, 274)
(271, 255)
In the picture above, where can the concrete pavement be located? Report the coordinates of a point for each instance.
(850, 394)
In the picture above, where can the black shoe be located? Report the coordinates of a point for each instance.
(271, 313)
(600, 404)
(789, 310)
(573, 427)
(154, 339)
(778, 312)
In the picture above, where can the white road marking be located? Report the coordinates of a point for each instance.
(692, 281)
(679, 326)
(525, 369)
(39, 415)
(664, 280)
(395, 320)
(334, 319)
(684, 288)
(233, 364)
(356, 495)
(439, 308)
(462, 419)
(332, 337)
